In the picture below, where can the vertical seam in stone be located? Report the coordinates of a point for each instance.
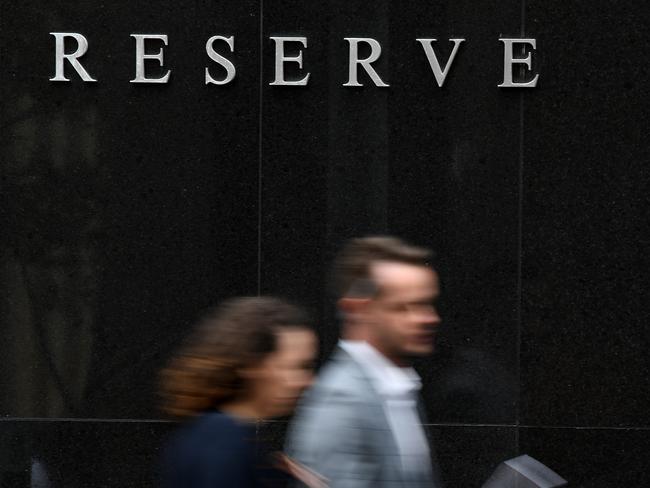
(259, 166)
(520, 218)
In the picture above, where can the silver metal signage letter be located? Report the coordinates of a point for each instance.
(281, 58)
(440, 74)
(226, 63)
(60, 56)
(509, 60)
(140, 57)
(365, 63)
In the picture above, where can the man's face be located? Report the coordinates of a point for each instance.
(402, 318)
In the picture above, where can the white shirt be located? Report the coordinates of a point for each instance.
(399, 388)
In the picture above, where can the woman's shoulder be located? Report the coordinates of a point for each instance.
(212, 431)
(210, 450)
(221, 421)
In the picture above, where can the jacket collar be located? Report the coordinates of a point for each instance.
(387, 378)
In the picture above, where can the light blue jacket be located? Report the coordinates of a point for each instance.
(341, 431)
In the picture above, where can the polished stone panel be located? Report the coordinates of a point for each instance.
(80, 454)
(438, 166)
(294, 147)
(585, 235)
(592, 458)
(467, 455)
(126, 208)
(454, 186)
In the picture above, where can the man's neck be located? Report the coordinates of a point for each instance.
(399, 361)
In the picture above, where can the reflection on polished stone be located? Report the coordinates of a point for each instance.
(124, 211)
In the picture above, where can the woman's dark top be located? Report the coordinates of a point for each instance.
(217, 451)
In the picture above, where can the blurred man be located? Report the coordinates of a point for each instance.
(360, 425)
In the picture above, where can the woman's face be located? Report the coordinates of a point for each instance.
(284, 374)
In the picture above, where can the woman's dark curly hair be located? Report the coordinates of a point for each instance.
(206, 373)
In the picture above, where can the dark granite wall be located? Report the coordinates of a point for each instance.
(126, 209)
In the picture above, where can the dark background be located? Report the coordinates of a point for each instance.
(126, 209)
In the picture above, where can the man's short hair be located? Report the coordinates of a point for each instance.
(352, 270)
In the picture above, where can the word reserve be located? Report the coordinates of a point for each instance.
(282, 58)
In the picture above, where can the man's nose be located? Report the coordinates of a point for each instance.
(427, 315)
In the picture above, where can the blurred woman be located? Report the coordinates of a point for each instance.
(248, 360)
